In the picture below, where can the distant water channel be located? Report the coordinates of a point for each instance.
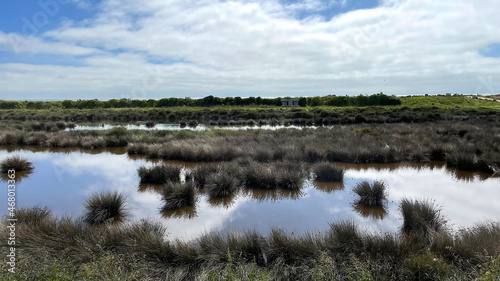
(63, 179)
(178, 127)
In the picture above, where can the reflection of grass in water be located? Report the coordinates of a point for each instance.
(328, 187)
(377, 212)
(143, 187)
(223, 202)
(19, 176)
(467, 176)
(188, 212)
(272, 194)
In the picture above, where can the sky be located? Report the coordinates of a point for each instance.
(85, 49)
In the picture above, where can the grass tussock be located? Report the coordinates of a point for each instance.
(421, 218)
(371, 195)
(16, 163)
(201, 173)
(160, 174)
(221, 184)
(177, 195)
(279, 175)
(325, 171)
(105, 207)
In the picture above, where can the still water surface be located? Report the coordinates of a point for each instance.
(177, 127)
(63, 179)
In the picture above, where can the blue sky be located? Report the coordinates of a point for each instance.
(41, 14)
(56, 49)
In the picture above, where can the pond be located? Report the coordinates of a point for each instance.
(63, 179)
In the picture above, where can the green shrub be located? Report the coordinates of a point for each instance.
(427, 267)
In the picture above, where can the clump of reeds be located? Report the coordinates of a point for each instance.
(150, 124)
(284, 175)
(160, 174)
(421, 218)
(325, 171)
(344, 237)
(33, 215)
(222, 183)
(177, 195)
(261, 176)
(371, 195)
(137, 149)
(16, 163)
(105, 207)
(201, 173)
(289, 175)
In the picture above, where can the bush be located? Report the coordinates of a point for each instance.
(16, 163)
(491, 270)
(160, 174)
(105, 207)
(325, 171)
(373, 195)
(177, 195)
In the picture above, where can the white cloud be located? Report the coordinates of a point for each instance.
(260, 48)
(17, 43)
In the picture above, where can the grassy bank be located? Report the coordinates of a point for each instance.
(467, 145)
(66, 249)
(412, 109)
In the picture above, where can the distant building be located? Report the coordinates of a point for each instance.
(290, 102)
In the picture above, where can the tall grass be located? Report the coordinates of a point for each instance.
(421, 218)
(64, 249)
(16, 163)
(105, 207)
(177, 195)
(160, 174)
(325, 171)
(371, 195)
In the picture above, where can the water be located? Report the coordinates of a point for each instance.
(177, 127)
(63, 179)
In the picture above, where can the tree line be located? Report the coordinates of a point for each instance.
(331, 100)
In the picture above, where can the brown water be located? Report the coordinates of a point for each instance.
(64, 178)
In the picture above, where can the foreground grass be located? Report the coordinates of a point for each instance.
(65, 249)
